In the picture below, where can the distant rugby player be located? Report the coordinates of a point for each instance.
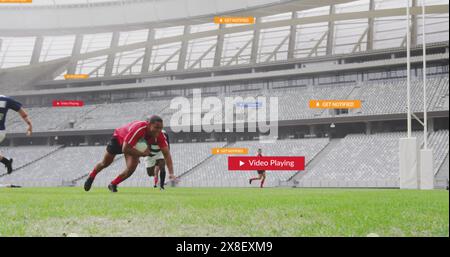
(7, 103)
(155, 164)
(261, 173)
(123, 141)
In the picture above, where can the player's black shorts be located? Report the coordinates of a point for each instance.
(114, 147)
(151, 171)
(261, 172)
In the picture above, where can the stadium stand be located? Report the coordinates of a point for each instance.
(26, 155)
(378, 97)
(50, 119)
(352, 162)
(439, 141)
(105, 115)
(294, 104)
(441, 178)
(213, 172)
(57, 169)
(388, 97)
(185, 157)
(349, 163)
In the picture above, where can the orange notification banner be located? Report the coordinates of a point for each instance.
(334, 104)
(16, 1)
(229, 151)
(76, 76)
(234, 20)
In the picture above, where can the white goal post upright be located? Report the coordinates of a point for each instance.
(408, 68)
(416, 166)
(426, 154)
(424, 77)
(409, 148)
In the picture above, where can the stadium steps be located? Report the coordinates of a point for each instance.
(434, 99)
(83, 118)
(202, 162)
(165, 109)
(354, 91)
(441, 95)
(12, 120)
(160, 111)
(441, 98)
(35, 160)
(314, 161)
(15, 122)
(355, 95)
(442, 176)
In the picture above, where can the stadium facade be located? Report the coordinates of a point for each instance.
(296, 51)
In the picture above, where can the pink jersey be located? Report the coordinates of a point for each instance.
(132, 132)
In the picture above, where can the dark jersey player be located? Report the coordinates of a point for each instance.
(155, 163)
(261, 173)
(123, 142)
(6, 104)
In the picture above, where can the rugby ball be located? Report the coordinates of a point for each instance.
(141, 145)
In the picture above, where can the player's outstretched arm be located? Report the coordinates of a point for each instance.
(169, 162)
(27, 120)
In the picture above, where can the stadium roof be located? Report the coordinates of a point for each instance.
(61, 2)
(101, 16)
(284, 30)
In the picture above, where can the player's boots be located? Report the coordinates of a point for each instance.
(9, 166)
(112, 188)
(88, 183)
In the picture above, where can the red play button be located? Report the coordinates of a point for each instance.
(266, 163)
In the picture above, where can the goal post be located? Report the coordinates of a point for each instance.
(409, 163)
(426, 169)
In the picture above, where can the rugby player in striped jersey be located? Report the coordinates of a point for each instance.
(7, 103)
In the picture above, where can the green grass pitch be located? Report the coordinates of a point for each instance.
(223, 212)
